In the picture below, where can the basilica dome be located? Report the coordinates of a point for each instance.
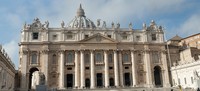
(80, 20)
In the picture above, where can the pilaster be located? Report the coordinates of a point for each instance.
(166, 72)
(148, 68)
(61, 70)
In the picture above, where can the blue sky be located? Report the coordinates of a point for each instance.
(180, 17)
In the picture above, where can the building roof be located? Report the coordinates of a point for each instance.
(191, 36)
(176, 38)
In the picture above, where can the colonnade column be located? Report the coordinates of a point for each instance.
(116, 69)
(92, 70)
(106, 69)
(82, 70)
(147, 62)
(76, 70)
(133, 68)
(61, 69)
(166, 72)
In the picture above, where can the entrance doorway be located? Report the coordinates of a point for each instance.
(69, 80)
(157, 76)
(31, 71)
(127, 79)
(87, 83)
(111, 81)
(99, 80)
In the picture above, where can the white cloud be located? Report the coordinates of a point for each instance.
(190, 26)
(11, 49)
(108, 10)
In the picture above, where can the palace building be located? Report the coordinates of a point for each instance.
(83, 54)
(185, 61)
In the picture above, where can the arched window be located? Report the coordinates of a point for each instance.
(125, 57)
(87, 58)
(98, 57)
(70, 57)
(54, 59)
(110, 58)
(34, 59)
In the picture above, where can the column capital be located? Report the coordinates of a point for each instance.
(25, 52)
(60, 51)
(45, 51)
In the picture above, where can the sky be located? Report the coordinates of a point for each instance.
(178, 17)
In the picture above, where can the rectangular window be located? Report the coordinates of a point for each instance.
(69, 68)
(126, 67)
(109, 36)
(192, 80)
(34, 58)
(69, 36)
(124, 37)
(138, 38)
(153, 36)
(35, 36)
(185, 80)
(55, 37)
(86, 36)
(87, 68)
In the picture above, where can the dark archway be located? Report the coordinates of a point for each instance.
(69, 80)
(127, 79)
(87, 83)
(99, 80)
(30, 75)
(158, 76)
(112, 82)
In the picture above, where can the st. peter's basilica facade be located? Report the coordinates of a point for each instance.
(84, 54)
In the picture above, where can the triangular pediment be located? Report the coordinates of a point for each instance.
(98, 38)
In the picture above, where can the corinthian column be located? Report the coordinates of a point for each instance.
(106, 69)
(92, 70)
(76, 70)
(61, 69)
(82, 70)
(133, 68)
(116, 69)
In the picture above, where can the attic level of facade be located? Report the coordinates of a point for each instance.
(81, 22)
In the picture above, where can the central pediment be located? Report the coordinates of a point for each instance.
(98, 38)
